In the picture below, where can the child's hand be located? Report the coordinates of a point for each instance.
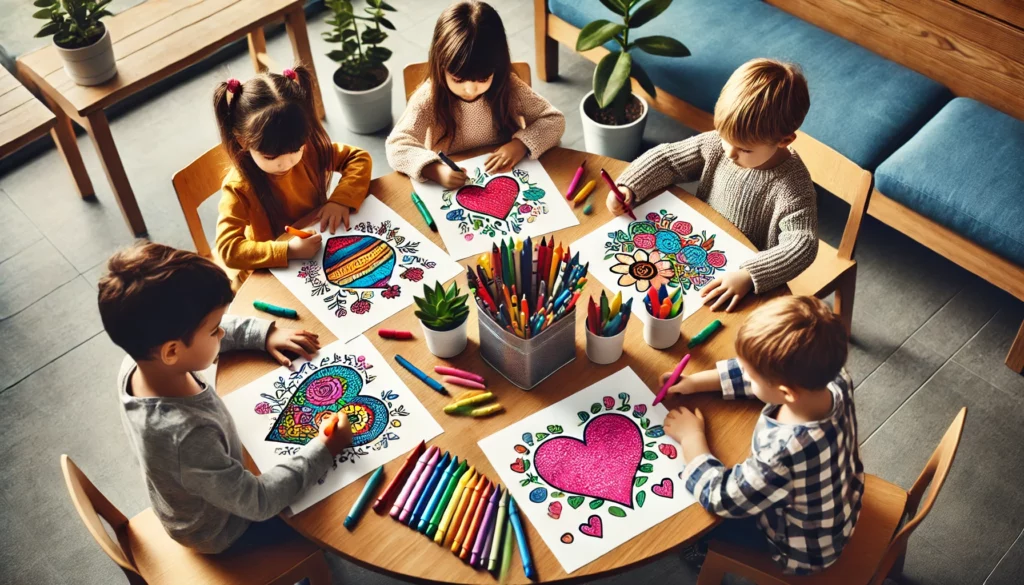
(685, 384)
(297, 341)
(332, 216)
(304, 248)
(687, 428)
(506, 157)
(341, 434)
(728, 288)
(613, 202)
(443, 175)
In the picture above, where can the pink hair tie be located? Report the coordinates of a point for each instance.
(234, 86)
(290, 74)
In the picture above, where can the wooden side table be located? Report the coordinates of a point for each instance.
(151, 42)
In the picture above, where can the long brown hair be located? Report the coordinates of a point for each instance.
(469, 43)
(274, 115)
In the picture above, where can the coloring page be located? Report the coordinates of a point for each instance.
(489, 208)
(366, 274)
(594, 470)
(668, 244)
(279, 413)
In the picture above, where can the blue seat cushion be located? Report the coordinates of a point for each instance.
(862, 105)
(965, 171)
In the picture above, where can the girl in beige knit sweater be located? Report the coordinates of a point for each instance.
(472, 98)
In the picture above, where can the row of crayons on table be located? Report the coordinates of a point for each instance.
(516, 276)
(450, 502)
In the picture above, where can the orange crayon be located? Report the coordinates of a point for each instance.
(297, 232)
(460, 509)
(467, 518)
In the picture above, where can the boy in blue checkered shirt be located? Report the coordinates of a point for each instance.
(798, 495)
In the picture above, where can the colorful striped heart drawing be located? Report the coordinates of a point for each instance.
(495, 199)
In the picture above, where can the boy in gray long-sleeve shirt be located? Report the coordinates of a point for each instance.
(747, 173)
(165, 308)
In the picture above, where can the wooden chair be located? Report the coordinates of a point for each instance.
(196, 183)
(415, 74)
(147, 555)
(873, 550)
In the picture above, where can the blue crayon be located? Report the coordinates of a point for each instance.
(524, 546)
(434, 384)
(435, 498)
(428, 491)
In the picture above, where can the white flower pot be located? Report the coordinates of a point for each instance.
(368, 111)
(662, 333)
(90, 65)
(446, 344)
(605, 350)
(620, 142)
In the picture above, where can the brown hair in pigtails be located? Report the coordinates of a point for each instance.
(272, 114)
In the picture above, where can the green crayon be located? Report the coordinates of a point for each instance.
(443, 504)
(705, 333)
(275, 310)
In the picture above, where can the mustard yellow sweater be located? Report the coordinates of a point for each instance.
(245, 238)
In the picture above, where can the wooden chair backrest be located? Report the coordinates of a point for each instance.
(196, 183)
(92, 506)
(415, 74)
(933, 476)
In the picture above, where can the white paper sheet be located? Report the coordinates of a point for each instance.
(524, 202)
(372, 271)
(670, 243)
(279, 413)
(594, 470)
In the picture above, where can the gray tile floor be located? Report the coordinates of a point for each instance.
(929, 337)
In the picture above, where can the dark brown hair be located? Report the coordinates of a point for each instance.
(469, 43)
(153, 294)
(795, 341)
(273, 115)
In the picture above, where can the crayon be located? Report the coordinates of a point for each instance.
(584, 192)
(456, 508)
(468, 394)
(364, 498)
(464, 514)
(275, 310)
(451, 164)
(414, 480)
(330, 424)
(445, 491)
(618, 194)
(297, 232)
(494, 557)
(575, 180)
(524, 546)
(394, 334)
(486, 410)
(428, 489)
(615, 305)
(434, 384)
(427, 218)
(472, 518)
(506, 553)
(471, 401)
(705, 333)
(588, 209)
(457, 381)
(460, 373)
(671, 379)
(396, 482)
(484, 531)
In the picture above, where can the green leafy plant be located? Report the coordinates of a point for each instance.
(442, 310)
(360, 58)
(72, 23)
(612, 89)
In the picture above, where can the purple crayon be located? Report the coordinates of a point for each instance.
(485, 529)
(414, 478)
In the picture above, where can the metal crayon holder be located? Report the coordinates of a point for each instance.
(528, 362)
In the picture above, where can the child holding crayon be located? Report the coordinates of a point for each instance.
(748, 173)
(165, 308)
(798, 496)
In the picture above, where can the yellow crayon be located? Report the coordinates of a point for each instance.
(460, 510)
(613, 309)
(486, 410)
(464, 404)
(583, 193)
(453, 504)
(482, 487)
(468, 394)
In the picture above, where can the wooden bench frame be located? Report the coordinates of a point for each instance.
(828, 168)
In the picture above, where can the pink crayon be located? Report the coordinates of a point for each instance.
(671, 379)
(414, 478)
(460, 373)
(414, 496)
(464, 382)
(575, 181)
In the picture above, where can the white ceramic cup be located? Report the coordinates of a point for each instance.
(662, 333)
(446, 344)
(605, 350)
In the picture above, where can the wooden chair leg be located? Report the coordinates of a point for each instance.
(99, 130)
(295, 24)
(547, 47)
(714, 569)
(314, 568)
(1015, 359)
(257, 45)
(844, 297)
(63, 134)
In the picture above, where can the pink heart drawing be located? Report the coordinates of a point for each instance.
(593, 527)
(601, 466)
(495, 199)
(665, 489)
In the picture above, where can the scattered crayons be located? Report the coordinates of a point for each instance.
(474, 404)
(588, 209)
(472, 401)
(608, 318)
(705, 333)
(394, 334)
(297, 232)
(584, 193)
(276, 310)
(460, 373)
(457, 381)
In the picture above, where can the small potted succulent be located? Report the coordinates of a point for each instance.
(82, 41)
(443, 315)
(613, 117)
(362, 82)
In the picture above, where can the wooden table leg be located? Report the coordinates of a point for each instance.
(295, 24)
(257, 45)
(1015, 358)
(99, 130)
(63, 134)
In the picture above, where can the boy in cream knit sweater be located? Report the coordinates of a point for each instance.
(748, 173)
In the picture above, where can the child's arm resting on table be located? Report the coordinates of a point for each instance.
(796, 250)
(259, 334)
(233, 247)
(747, 489)
(405, 146)
(356, 167)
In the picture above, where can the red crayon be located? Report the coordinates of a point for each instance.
(389, 493)
(394, 334)
(618, 194)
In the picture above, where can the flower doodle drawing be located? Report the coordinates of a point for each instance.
(661, 250)
(357, 267)
(494, 205)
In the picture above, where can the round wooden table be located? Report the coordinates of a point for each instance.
(382, 544)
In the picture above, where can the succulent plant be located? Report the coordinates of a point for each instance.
(73, 23)
(442, 310)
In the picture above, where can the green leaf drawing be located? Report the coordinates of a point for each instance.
(524, 482)
(646, 468)
(584, 417)
(595, 408)
(650, 455)
(541, 436)
(640, 481)
(645, 422)
(575, 501)
(554, 429)
(655, 432)
(557, 494)
(596, 504)
(533, 194)
(617, 512)
(641, 498)
(651, 444)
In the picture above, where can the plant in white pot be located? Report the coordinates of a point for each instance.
(443, 315)
(82, 41)
(362, 82)
(613, 117)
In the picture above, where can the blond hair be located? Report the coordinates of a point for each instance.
(763, 102)
(794, 341)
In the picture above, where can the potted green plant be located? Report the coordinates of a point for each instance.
(82, 41)
(362, 82)
(613, 116)
(443, 315)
